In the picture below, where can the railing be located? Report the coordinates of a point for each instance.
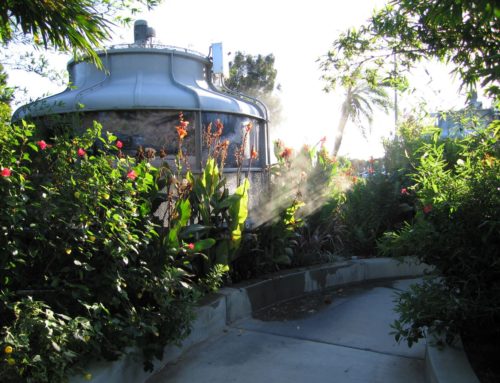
(157, 46)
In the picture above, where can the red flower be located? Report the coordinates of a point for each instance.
(132, 175)
(190, 246)
(6, 172)
(119, 144)
(427, 208)
(42, 144)
(287, 153)
(404, 191)
(81, 152)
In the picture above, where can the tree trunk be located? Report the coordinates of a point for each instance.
(340, 128)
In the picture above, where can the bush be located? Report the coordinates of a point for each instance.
(456, 230)
(373, 206)
(297, 220)
(80, 272)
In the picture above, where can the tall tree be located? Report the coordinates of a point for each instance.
(256, 76)
(361, 97)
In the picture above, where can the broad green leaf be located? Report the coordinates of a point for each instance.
(204, 244)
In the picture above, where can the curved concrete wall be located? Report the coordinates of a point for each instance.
(237, 302)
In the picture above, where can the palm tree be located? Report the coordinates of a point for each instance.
(360, 99)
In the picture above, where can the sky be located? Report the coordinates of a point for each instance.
(297, 33)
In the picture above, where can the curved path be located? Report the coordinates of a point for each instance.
(341, 336)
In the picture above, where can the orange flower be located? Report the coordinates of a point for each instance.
(181, 131)
(249, 127)
(220, 126)
(254, 154)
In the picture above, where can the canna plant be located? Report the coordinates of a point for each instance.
(203, 220)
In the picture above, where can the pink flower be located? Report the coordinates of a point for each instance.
(6, 172)
(119, 144)
(427, 208)
(404, 191)
(42, 144)
(132, 175)
(190, 246)
(81, 152)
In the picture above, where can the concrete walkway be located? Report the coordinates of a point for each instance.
(345, 339)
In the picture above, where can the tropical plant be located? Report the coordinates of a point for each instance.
(457, 231)
(360, 98)
(203, 221)
(73, 26)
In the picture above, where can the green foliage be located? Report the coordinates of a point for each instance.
(255, 75)
(401, 152)
(6, 95)
(457, 231)
(75, 25)
(298, 223)
(419, 307)
(373, 206)
(80, 277)
(462, 32)
(203, 222)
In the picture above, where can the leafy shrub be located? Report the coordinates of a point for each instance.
(80, 273)
(373, 206)
(456, 230)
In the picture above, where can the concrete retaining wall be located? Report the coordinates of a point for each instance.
(233, 303)
(448, 364)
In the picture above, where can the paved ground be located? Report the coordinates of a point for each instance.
(340, 336)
